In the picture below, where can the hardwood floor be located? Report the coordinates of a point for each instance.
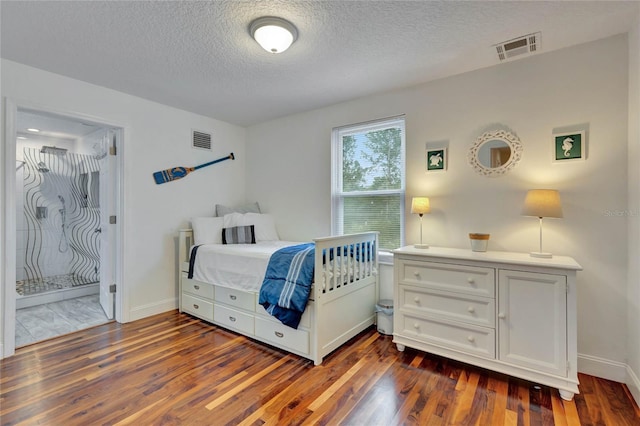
(173, 369)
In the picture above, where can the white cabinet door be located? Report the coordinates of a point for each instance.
(532, 320)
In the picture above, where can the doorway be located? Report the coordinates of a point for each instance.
(66, 240)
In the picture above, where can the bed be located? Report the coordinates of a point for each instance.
(223, 289)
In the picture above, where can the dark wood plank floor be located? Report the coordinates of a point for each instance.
(173, 369)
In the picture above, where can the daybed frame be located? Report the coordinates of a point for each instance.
(335, 313)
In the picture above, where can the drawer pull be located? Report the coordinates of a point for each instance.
(417, 300)
(502, 315)
(470, 280)
(197, 287)
(471, 309)
(416, 325)
(232, 297)
(196, 306)
(232, 319)
(471, 339)
(278, 334)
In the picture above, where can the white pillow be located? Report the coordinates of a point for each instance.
(264, 224)
(207, 230)
(233, 219)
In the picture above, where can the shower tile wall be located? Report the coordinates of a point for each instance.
(52, 190)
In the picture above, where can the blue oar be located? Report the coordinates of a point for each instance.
(175, 173)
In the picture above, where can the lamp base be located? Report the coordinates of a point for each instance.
(421, 246)
(542, 255)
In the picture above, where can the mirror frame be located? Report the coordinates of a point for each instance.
(502, 135)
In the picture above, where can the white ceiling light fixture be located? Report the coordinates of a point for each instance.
(274, 34)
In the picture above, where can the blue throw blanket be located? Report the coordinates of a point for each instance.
(287, 283)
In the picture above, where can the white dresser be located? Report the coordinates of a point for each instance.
(507, 312)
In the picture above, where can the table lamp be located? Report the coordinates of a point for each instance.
(542, 203)
(420, 206)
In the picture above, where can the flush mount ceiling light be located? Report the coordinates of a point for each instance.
(275, 35)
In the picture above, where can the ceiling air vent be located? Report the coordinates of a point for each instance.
(201, 140)
(527, 44)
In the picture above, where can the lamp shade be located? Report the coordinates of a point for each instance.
(420, 205)
(274, 34)
(542, 203)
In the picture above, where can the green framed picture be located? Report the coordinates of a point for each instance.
(436, 159)
(569, 147)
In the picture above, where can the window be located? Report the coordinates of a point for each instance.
(368, 180)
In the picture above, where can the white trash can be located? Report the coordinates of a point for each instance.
(384, 309)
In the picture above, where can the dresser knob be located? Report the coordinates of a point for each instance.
(502, 315)
(470, 280)
(471, 339)
(471, 309)
(416, 325)
(416, 273)
(232, 297)
(196, 306)
(197, 287)
(232, 319)
(417, 300)
(278, 334)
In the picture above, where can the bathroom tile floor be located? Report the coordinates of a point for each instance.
(54, 319)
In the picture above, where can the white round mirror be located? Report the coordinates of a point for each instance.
(495, 153)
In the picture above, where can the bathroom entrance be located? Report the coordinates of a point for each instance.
(66, 174)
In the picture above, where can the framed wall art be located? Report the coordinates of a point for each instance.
(569, 146)
(436, 159)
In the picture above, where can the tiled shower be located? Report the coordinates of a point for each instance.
(58, 224)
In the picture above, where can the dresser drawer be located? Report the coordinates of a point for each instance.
(197, 288)
(233, 319)
(198, 307)
(282, 336)
(462, 337)
(305, 321)
(448, 305)
(448, 277)
(237, 298)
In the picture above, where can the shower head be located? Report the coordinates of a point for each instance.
(53, 150)
(42, 168)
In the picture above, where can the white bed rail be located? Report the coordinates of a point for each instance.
(346, 259)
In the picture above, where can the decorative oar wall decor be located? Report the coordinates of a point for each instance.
(176, 173)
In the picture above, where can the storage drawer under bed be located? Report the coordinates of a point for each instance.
(238, 298)
(197, 288)
(282, 336)
(233, 319)
(198, 307)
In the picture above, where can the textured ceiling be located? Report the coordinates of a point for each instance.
(198, 55)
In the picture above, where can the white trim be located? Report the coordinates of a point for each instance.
(155, 308)
(601, 367)
(633, 383)
(9, 236)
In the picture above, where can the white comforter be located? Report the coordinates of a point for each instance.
(240, 266)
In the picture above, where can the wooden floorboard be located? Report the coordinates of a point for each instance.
(174, 369)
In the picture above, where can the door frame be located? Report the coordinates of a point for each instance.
(7, 287)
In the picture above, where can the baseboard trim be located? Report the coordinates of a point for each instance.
(601, 367)
(153, 309)
(633, 383)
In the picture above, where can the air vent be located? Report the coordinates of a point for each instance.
(201, 140)
(527, 44)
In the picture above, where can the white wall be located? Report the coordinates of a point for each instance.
(633, 323)
(156, 137)
(288, 171)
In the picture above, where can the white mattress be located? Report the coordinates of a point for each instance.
(240, 266)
